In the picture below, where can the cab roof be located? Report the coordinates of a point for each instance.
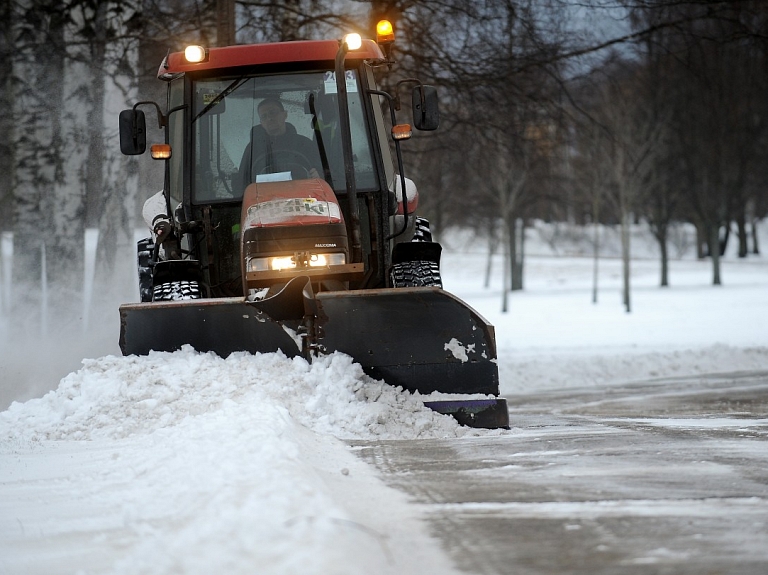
(273, 53)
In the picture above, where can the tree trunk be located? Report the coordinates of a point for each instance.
(225, 23)
(595, 258)
(493, 243)
(507, 260)
(521, 258)
(7, 128)
(7, 120)
(714, 250)
(625, 262)
(722, 244)
(741, 224)
(664, 257)
(515, 261)
(64, 251)
(115, 267)
(702, 240)
(94, 166)
(755, 246)
(39, 66)
(661, 233)
(517, 250)
(595, 242)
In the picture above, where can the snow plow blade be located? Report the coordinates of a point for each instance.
(422, 339)
(223, 326)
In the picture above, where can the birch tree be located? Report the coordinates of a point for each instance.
(38, 71)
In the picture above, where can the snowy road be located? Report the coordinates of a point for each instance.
(660, 477)
(189, 463)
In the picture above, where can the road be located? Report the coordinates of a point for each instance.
(660, 477)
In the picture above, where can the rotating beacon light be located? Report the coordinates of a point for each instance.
(385, 36)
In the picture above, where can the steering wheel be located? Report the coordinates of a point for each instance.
(295, 168)
(297, 162)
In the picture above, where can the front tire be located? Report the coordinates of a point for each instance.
(416, 274)
(418, 261)
(422, 232)
(176, 291)
(145, 249)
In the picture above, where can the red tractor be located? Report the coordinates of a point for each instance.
(286, 224)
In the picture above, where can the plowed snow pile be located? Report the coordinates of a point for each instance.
(117, 397)
(189, 463)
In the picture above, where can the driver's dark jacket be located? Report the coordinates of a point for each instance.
(270, 154)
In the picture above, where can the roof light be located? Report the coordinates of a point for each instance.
(195, 54)
(160, 151)
(401, 131)
(385, 33)
(354, 41)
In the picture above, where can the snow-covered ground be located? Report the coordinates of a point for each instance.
(553, 336)
(189, 463)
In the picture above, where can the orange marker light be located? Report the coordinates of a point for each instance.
(160, 151)
(401, 132)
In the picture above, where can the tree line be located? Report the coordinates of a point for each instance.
(587, 112)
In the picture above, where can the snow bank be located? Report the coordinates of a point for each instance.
(189, 463)
(528, 373)
(118, 397)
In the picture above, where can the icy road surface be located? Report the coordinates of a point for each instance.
(663, 477)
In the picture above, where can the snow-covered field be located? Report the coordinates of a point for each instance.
(553, 336)
(188, 463)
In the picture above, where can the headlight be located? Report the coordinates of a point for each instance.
(289, 262)
(354, 41)
(195, 54)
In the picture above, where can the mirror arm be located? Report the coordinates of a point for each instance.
(409, 81)
(162, 121)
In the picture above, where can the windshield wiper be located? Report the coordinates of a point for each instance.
(223, 94)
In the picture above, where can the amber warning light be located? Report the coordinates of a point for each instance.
(384, 32)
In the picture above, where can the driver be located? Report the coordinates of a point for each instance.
(276, 147)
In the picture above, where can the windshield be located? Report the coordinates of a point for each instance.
(271, 128)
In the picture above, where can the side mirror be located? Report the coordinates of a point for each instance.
(133, 132)
(426, 114)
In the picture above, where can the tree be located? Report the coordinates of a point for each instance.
(713, 66)
(38, 73)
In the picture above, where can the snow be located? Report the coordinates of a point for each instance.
(189, 463)
(458, 350)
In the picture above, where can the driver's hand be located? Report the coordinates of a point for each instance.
(313, 173)
(162, 229)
